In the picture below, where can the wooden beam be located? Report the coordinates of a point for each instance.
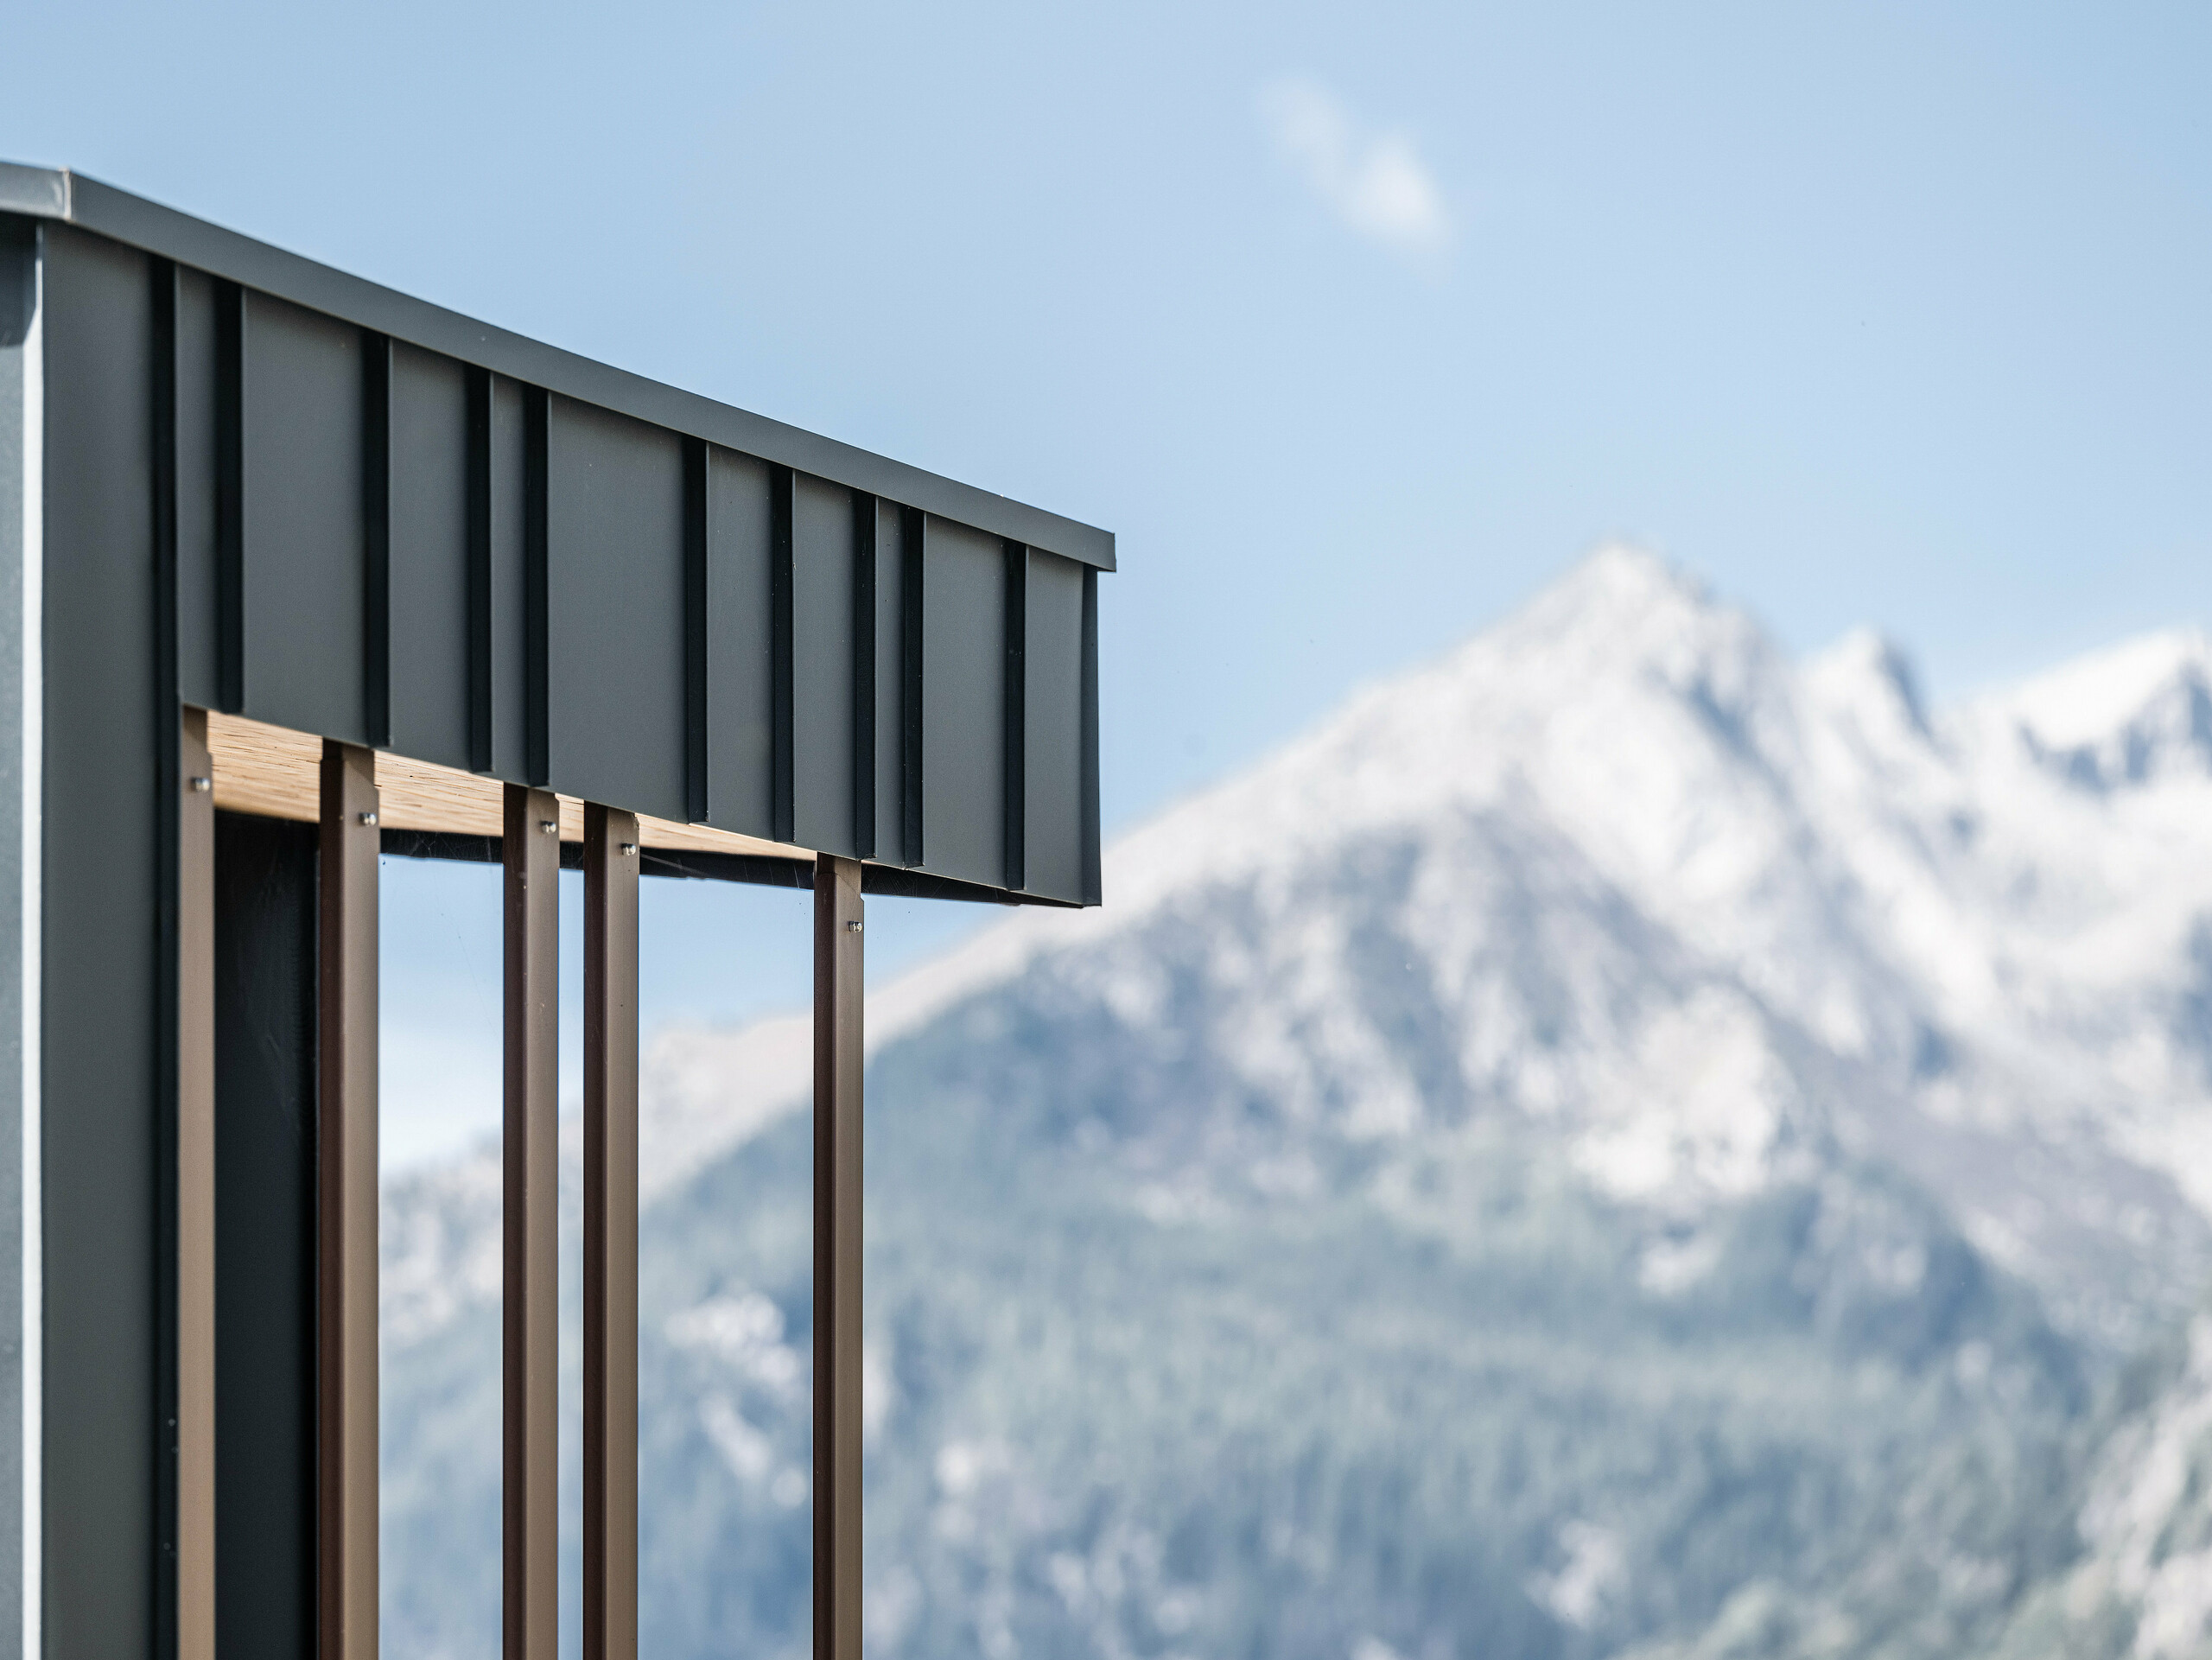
(273, 771)
(347, 1209)
(837, 1063)
(530, 1492)
(195, 1197)
(610, 1270)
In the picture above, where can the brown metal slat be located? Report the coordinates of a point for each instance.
(530, 1489)
(195, 1196)
(346, 1208)
(610, 1269)
(837, 1063)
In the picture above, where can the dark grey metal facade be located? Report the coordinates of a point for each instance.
(395, 527)
(233, 479)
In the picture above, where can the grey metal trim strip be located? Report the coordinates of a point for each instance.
(22, 412)
(60, 194)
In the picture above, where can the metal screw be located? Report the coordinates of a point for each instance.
(851, 927)
(201, 785)
(368, 818)
(629, 849)
(548, 825)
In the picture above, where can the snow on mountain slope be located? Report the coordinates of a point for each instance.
(1619, 870)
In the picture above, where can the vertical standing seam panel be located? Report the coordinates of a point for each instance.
(346, 1192)
(305, 564)
(740, 630)
(617, 618)
(1053, 729)
(781, 695)
(610, 1264)
(913, 530)
(230, 493)
(861, 627)
(964, 683)
(537, 576)
(169, 726)
(887, 637)
(696, 630)
(199, 661)
(1015, 799)
(479, 511)
(20, 423)
(823, 766)
(436, 465)
(101, 852)
(376, 533)
(530, 1305)
(500, 664)
(512, 664)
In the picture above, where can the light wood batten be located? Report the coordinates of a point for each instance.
(277, 772)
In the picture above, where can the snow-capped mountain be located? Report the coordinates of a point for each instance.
(1708, 1011)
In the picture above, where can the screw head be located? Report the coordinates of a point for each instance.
(201, 785)
(548, 825)
(369, 818)
(629, 849)
(851, 927)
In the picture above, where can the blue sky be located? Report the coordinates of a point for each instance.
(1357, 324)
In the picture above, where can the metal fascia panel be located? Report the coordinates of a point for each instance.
(53, 193)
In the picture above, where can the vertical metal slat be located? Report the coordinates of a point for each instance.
(863, 626)
(195, 1196)
(346, 1208)
(782, 586)
(376, 534)
(610, 1273)
(911, 546)
(530, 1511)
(1014, 735)
(838, 1061)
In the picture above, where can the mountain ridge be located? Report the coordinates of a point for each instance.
(1611, 1024)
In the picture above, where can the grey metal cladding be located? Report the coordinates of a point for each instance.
(109, 212)
(100, 846)
(428, 569)
(1013, 692)
(615, 587)
(964, 702)
(740, 690)
(912, 538)
(376, 535)
(862, 624)
(390, 546)
(822, 666)
(18, 964)
(198, 626)
(1053, 729)
(304, 565)
(499, 582)
(1093, 886)
(889, 633)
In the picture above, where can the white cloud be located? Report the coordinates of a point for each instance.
(1375, 182)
